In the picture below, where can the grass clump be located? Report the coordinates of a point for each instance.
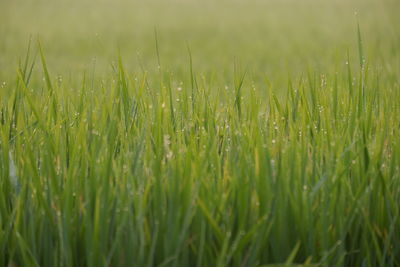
(128, 174)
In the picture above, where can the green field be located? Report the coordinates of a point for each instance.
(199, 133)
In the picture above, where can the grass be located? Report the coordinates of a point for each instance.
(188, 157)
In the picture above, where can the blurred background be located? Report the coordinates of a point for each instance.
(268, 38)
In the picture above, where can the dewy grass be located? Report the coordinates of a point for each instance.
(184, 167)
(130, 175)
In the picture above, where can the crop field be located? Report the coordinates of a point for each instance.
(199, 133)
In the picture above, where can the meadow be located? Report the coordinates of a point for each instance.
(199, 133)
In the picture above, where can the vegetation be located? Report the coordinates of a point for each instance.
(249, 139)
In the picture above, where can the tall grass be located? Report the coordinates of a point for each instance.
(176, 155)
(138, 171)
